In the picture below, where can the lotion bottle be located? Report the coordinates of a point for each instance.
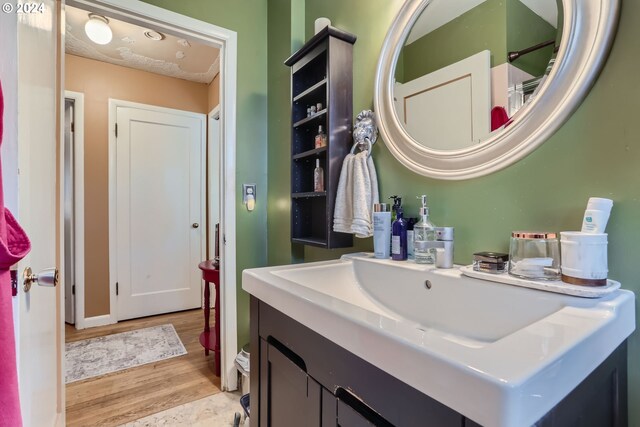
(596, 215)
(399, 237)
(381, 230)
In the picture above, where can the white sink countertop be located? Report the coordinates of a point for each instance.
(500, 355)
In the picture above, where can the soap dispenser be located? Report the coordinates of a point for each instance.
(424, 234)
(397, 202)
(399, 233)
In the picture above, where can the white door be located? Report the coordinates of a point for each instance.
(159, 210)
(39, 317)
(449, 108)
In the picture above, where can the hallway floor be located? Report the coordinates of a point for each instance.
(129, 395)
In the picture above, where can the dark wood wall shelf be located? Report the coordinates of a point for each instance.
(309, 153)
(317, 117)
(309, 194)
(321, 73)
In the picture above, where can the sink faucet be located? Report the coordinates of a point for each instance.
(443, 246)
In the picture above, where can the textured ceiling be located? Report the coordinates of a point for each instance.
(129, 47)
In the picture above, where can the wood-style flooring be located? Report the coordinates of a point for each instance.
(124, 396)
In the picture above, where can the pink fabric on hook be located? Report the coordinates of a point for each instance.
(14, 245)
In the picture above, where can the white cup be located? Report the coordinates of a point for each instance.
(321, 23)
(584, 255)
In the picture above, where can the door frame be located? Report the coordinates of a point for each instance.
(112, 317)
(78, 209)
(226, 40)
(212, 193)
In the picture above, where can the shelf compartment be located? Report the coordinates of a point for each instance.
(309, 219)
(302, 175)
(310, 73)
(315, 117)
(313, 90)
(310, 153)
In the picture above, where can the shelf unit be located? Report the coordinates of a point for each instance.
(321, 72)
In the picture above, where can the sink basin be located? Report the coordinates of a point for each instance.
(498, 354)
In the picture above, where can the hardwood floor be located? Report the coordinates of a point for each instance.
(134, 393)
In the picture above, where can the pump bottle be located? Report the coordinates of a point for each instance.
(399, 236)
(424, 232)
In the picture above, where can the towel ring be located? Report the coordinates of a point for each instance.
(360, 144)
(365, 131)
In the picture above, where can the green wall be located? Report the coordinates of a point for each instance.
(496, 25)
(525, 29)
(596, 153)
(482, 28)
(249, 19)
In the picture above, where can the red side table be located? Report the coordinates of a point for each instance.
(209, 339)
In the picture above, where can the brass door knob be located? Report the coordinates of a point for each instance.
(48, 277)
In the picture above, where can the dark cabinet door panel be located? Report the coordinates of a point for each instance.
(293, 398)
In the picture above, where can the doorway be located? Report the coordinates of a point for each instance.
(162, 20)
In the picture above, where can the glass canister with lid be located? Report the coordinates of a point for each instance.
(534, 255)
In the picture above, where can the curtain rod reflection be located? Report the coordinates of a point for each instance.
(512, 56)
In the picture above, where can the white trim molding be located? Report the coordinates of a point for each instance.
(78, 211)
(226, 40)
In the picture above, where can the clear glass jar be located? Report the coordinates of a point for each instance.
(534, 255)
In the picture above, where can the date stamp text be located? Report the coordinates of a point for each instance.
(27, 7)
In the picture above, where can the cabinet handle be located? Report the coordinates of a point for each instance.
(288, 353)
(367, 412)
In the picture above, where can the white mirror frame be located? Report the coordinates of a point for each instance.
(588, 33)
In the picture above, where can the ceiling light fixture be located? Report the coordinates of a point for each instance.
(154, 35)
(97, 29)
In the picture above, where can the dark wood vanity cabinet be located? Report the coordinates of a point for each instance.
(303, 379)
(321, 74)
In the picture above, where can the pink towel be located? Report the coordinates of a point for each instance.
(14, 245)
(499, 117)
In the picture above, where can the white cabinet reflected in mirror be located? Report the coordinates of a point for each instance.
(468, 87)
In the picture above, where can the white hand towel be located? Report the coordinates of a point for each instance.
(356, 194)
(343, 210)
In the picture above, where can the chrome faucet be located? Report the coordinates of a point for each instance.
(443, 246)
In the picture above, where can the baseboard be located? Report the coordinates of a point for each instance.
(60, 419)
(92, 322)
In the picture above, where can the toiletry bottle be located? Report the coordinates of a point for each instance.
(397, 201)
(411, 222)
(596, 215)
(321, 138)
(318, 177)
(424, 233)
(381, 230)
(399, 237)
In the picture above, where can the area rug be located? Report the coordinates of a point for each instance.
(217, 410)
(116, 352)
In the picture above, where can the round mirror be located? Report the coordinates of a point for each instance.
(469, 87)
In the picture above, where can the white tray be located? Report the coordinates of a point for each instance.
(556, 286)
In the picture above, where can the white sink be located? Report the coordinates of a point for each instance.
(500, 355)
